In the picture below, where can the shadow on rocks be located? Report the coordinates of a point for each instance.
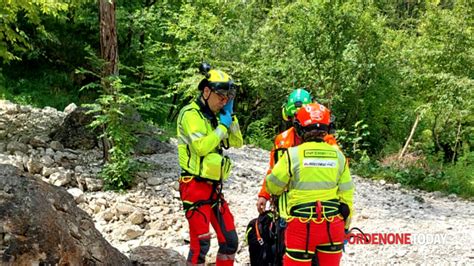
(150, 255)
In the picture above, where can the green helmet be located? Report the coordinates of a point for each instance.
(296, 99)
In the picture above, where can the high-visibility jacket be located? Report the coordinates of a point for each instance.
(312, 171)
(199, 134)
(283, 141)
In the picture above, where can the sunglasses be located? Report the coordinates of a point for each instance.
(225, 89)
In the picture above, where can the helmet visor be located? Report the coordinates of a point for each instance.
(226, 89)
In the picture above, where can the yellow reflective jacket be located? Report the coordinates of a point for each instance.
(199, 134)
(312, 171)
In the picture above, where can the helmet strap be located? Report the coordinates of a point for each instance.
(206, 103)
(205, 106)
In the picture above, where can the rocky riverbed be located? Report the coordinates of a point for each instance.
(440, 228)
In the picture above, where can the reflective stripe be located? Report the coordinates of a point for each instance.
(234, 127)
(346, 186)
(299, 255)
(184, 140)
(274, 180)
(196, 135)
(221, 256)
(315, 185)
(295, 162)
(329, 252)
(295, 259)
(205, 236)
(183, 137)
(300, 250)
(342, 164)
(220, 132)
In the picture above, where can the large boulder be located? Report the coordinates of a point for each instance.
(75, 132)
(41, 224)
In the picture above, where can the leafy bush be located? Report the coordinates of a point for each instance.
(114, 112)
(46, 87)
(168, 131)
(354, 141)
(427, 174)
(259, 135)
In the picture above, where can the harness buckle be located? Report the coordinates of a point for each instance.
(260, 241)
(186, 179)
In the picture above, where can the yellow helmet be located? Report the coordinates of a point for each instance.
(218, 81)
(218, 76)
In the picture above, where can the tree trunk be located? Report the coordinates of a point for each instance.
(456, 142)
(108, 37)
(109, 53)
(409, 137)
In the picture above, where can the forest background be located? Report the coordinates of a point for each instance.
(398, 75)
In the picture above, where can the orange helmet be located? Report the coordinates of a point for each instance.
(313, 116)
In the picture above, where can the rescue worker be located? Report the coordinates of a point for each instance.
(286, 139)
(319, 189)
(204, 128)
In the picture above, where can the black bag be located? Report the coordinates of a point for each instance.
(263, 240)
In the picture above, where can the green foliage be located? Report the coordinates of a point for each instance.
(257, 134)
(380, 62)
(41, 71)
(455, 179)
(46, 88)
(13, 38)
(439, 70)
(168, 131)
(114, 112)
(354, 141)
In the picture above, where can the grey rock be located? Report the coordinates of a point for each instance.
(34, 166)
(47, 161)
(59, 233)
(39, 141)
(94, 184)
(74, 132)
(17, 146)
(56, 145)
(153, 181)
(150, 255)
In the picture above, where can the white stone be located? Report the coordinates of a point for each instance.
(77, 194)
(94, 184)
(130, 232)
(47, 160)
(123, 208)
(70, 108)
(59, 179)
(107, 215)
(153, 181)
(46, 171)
(136, 217)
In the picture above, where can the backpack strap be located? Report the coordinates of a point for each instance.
(257, 231)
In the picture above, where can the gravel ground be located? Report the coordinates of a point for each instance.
(440, 227)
